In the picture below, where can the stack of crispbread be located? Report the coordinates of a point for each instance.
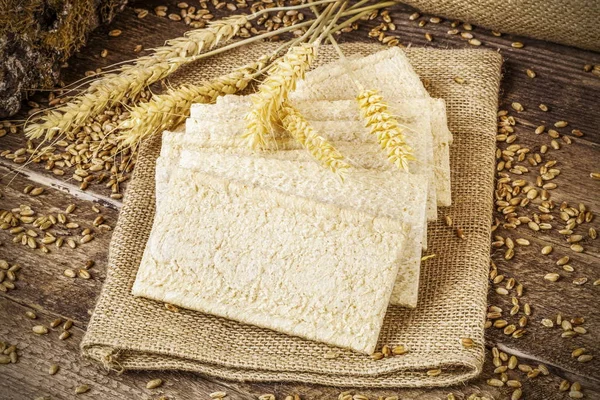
(274, 239)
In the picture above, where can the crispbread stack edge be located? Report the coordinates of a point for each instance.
(372, 71)
(334, 119)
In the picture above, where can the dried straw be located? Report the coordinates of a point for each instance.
(129, 81)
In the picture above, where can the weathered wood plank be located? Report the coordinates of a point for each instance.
(561, 83)
(37, 173)
(29, 378)
(43, 287)
(575, 162)
(36, 178)
(56, 293)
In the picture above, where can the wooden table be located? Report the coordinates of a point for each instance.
(561, 83)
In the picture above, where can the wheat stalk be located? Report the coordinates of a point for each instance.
(168, 110)
(274, 91)
(374, 111)
(319, 147)
(132, 79)
(195, 41)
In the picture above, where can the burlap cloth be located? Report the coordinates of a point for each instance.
(136, 333)
(571, 22)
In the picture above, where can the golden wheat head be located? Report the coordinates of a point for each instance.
(168, 110)
(112, 89)
(274, 91)
(374, 111)
(319, 147)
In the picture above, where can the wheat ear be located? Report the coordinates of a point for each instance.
(274, 91)
(319, 147)
(374, 111)
(132, 79)
(168, 110)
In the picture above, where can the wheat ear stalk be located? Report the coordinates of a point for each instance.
(319, 147)
(374, 111)
(274, 91)
(132, 79)
(170, 109)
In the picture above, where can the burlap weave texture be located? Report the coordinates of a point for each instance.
(571, 22)
(136, 333)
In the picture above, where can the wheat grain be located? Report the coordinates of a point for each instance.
(317, 146)
(374, 111)
(113, 88)
(274, 90)
(170, 109)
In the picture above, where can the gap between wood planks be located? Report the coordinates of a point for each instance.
(591, 383)
(63, 186)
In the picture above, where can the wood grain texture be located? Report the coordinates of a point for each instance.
(570, 93)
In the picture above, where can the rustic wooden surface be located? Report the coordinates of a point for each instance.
(561, 83)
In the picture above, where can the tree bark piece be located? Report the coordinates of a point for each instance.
(37, 36)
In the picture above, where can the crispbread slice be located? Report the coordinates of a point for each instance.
(346, 108)
(276, 261)
(362, 189)
(389, 71)
(368, 155)
(238, 105)
(322, 110)
(294, 172)
(441, 153)
(432, 109)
